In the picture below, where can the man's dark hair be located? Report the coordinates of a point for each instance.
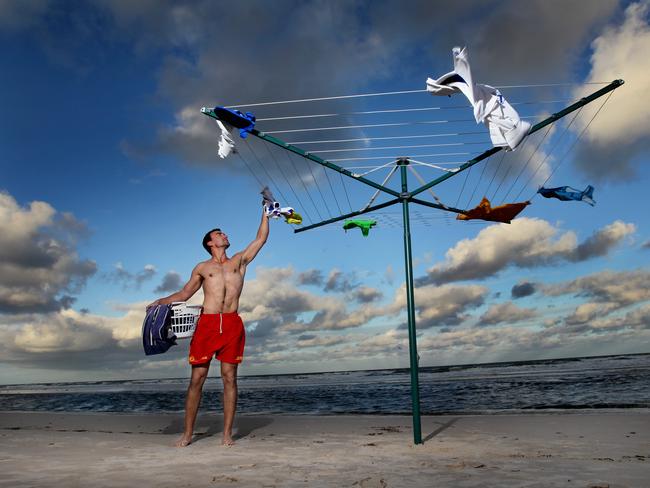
(207, 238)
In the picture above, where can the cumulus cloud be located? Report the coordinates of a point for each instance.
(586, 312)
(170, 283)
(274, 304)
(316, 341)
(438, 306)
(310, 277)
(367, 294)
(63, 332)
(40, 269)
(67, 339)
(506, 312)
(338, 281)
(621, 132)
(525, 243)
(620, 288)
(602, 241)
(523, 289)
(128, 279)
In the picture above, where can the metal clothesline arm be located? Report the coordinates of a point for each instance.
(347, 216)
(309, 156)
(540, 125)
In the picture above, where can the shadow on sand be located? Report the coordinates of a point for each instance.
(209, 426)
(440, 429)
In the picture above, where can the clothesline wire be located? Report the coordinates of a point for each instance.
(311, 171)
(286, 179)
(401, 92)
(393, 147)
(346, 192)
(389, 124)
(297, 173)
(463, 187)
(530, 158)
(302, 143)
(259, 161)
(332, 190)
(503, 155)
(573, 144)
(507, 172)
(249, 169)
(399, 110)
(401, 155)
(262, 184)
(469, 201)
(557, 144)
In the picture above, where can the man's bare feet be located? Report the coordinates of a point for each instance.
(227, 440)
(184, 441)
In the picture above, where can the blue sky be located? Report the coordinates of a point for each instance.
(110, 177)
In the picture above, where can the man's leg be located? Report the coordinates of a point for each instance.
(229, 377)
(192, 402)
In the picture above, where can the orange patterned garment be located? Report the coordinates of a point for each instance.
(484, 211)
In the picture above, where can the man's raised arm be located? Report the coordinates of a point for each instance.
(254, 247)
(190, 288)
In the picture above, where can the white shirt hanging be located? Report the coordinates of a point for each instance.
(503, 122)
(226, 142)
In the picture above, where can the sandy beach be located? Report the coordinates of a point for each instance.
(535, 450)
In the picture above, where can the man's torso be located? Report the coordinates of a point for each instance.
(222, 284)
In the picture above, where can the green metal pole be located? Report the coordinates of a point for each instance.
(410, 307)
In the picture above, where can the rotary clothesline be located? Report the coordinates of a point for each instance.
(325, 190)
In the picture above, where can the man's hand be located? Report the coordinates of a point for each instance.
(153, 304)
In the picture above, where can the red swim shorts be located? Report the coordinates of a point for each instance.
(218, 334)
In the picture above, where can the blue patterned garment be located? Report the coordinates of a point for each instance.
(566, 193)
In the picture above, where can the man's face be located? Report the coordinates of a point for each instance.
(219, 239)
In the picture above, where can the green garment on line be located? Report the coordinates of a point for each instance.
(364, 225)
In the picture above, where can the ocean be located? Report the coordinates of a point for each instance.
(606, 382)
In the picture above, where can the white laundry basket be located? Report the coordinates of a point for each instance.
(184, 319)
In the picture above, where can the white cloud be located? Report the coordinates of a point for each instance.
(586, 312)
(622, 130)
(129, 279)
(40, 269)
(171, 282)
(438, 306)
(525, 243)
(366, 294)
(62, 332)
(621, 52)
(506, 312)
(621, 288)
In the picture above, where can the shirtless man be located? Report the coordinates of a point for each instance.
(219, 331)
